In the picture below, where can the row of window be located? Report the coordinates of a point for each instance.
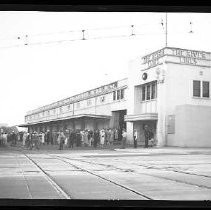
(117, 95)
(200, 89)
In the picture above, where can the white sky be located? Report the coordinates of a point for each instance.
(35, 75)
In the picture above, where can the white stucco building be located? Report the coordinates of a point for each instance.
(169, 90)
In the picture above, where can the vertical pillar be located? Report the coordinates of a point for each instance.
(38, 128)
(95, 124)
(82, 124)
(161, 110)
(129, 128)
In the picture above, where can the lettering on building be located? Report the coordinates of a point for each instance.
(153, 59)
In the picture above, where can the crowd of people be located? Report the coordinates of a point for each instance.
(105, 137)
(69, 138)
(6, 138)
(72, 138)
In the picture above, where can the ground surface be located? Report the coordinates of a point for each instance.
(125, 174)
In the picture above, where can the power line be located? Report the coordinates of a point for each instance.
(131, 33)
(73, 31)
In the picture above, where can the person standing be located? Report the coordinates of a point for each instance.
(78, 138)
(84, 138)
(106, 136)
(31, 144)
(36, 141)
(96, 138)
(24, 138)
(42, 138)
(72, 138)
(109, 136)
(5, 138)
(1, 137)
(66, 133)
(54, 136)
(51, 137)
(102, 137)
(13, 138)
(124, 137)
(135, 138)
(61, 139)
(115, 134)
(112, 137)
(89, 138)
(91, 134)
(48, 137)
(146, 135)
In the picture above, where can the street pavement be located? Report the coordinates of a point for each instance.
(167, 173)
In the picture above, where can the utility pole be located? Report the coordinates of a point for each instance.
(166, 29)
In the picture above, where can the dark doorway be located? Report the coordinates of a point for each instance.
(118, 122)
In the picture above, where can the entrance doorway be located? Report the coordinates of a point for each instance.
(139, 126)
(117, 122)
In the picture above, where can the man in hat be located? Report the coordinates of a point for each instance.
(147, 135)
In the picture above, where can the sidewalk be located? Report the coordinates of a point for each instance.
(166, 150)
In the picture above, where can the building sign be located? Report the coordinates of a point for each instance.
(182, 56)
(189, 56)
(78, 97)
(153, 59)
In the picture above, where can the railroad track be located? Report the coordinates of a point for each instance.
(62, 191)
(146, 167)
(73, 163)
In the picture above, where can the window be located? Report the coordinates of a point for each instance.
(114, 95)
(122, 93)
(149, 91)
(206, 89)
(118, 94)
(196, 88)
(68, 107)
(89, 102)
(54, 111)
(153, 91)
(102, 99)
(144, 93)
(48, 112)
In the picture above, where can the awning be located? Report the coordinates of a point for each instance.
(88, 116)
(141, 117)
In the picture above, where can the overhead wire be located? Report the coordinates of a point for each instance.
(133, 28)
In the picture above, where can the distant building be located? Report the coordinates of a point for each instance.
(169, 90)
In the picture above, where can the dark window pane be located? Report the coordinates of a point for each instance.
(153, 91)
(114, 95)
(122, 94)
(196, 88)
(118, 94)
(148, 92)
(206, 89)
(143, 93)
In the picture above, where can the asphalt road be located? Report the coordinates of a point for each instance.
(130, 174)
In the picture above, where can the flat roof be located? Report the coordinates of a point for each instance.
(67, 118)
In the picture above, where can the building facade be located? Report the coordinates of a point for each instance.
(168, 90)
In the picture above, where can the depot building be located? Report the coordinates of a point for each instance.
(168, 90)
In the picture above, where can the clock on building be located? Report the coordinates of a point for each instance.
(144, 76)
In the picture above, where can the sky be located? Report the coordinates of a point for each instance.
(35, 75)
